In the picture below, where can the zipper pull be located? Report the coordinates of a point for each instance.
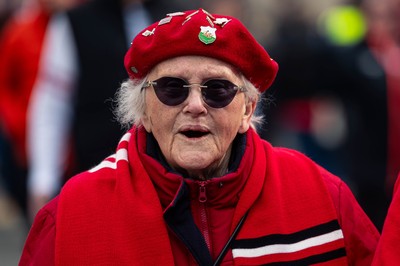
(202, 192)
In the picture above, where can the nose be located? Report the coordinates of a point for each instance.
(194, 102)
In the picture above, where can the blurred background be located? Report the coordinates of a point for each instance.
(335, 98)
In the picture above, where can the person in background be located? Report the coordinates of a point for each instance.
(191, 182)
(384, 41)
(7, 8)
(21, 43)
(387, 252)
(80, 69)
(324, 109)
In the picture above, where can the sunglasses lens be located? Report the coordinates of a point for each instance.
(170, 91)
(219, 93)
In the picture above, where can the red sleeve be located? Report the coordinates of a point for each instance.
(39, 246)
(360, 234)
(388, 251)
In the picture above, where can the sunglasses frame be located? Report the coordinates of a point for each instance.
(188, 85)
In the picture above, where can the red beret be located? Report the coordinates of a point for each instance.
(198, 32)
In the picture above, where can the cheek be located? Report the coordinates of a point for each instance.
(231, 122)
(159, 119)
(234, 115)
(147, 119)
(228, 126)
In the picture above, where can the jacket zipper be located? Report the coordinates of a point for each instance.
(203, 213)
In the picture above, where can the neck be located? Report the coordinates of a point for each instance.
(217, 169)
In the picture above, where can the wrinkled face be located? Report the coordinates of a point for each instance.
(193, 136)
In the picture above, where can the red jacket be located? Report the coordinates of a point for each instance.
(132, 210)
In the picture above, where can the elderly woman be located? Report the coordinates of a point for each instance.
(191, 182)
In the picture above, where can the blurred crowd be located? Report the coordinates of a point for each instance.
(335, 98)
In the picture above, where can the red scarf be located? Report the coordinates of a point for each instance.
(112, 215)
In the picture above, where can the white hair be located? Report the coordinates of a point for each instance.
(130, 102)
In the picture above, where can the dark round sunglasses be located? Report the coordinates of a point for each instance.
(216, 93)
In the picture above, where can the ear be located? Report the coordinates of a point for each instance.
(249, 111)
(146, 122)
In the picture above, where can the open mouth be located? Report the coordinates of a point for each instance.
(194, 133)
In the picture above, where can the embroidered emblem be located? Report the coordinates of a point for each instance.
(222, 21)
(209, 21)
(192, 14)
(207, 34)
(186, 20)
(188, 17)
(165, 21)
(208, 14)
(175, 14)
(148, 32)
(134, 70)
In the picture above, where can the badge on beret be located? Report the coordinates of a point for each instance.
(222, 21)
(207, 34)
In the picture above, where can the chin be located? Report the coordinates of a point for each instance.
(194, 167)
